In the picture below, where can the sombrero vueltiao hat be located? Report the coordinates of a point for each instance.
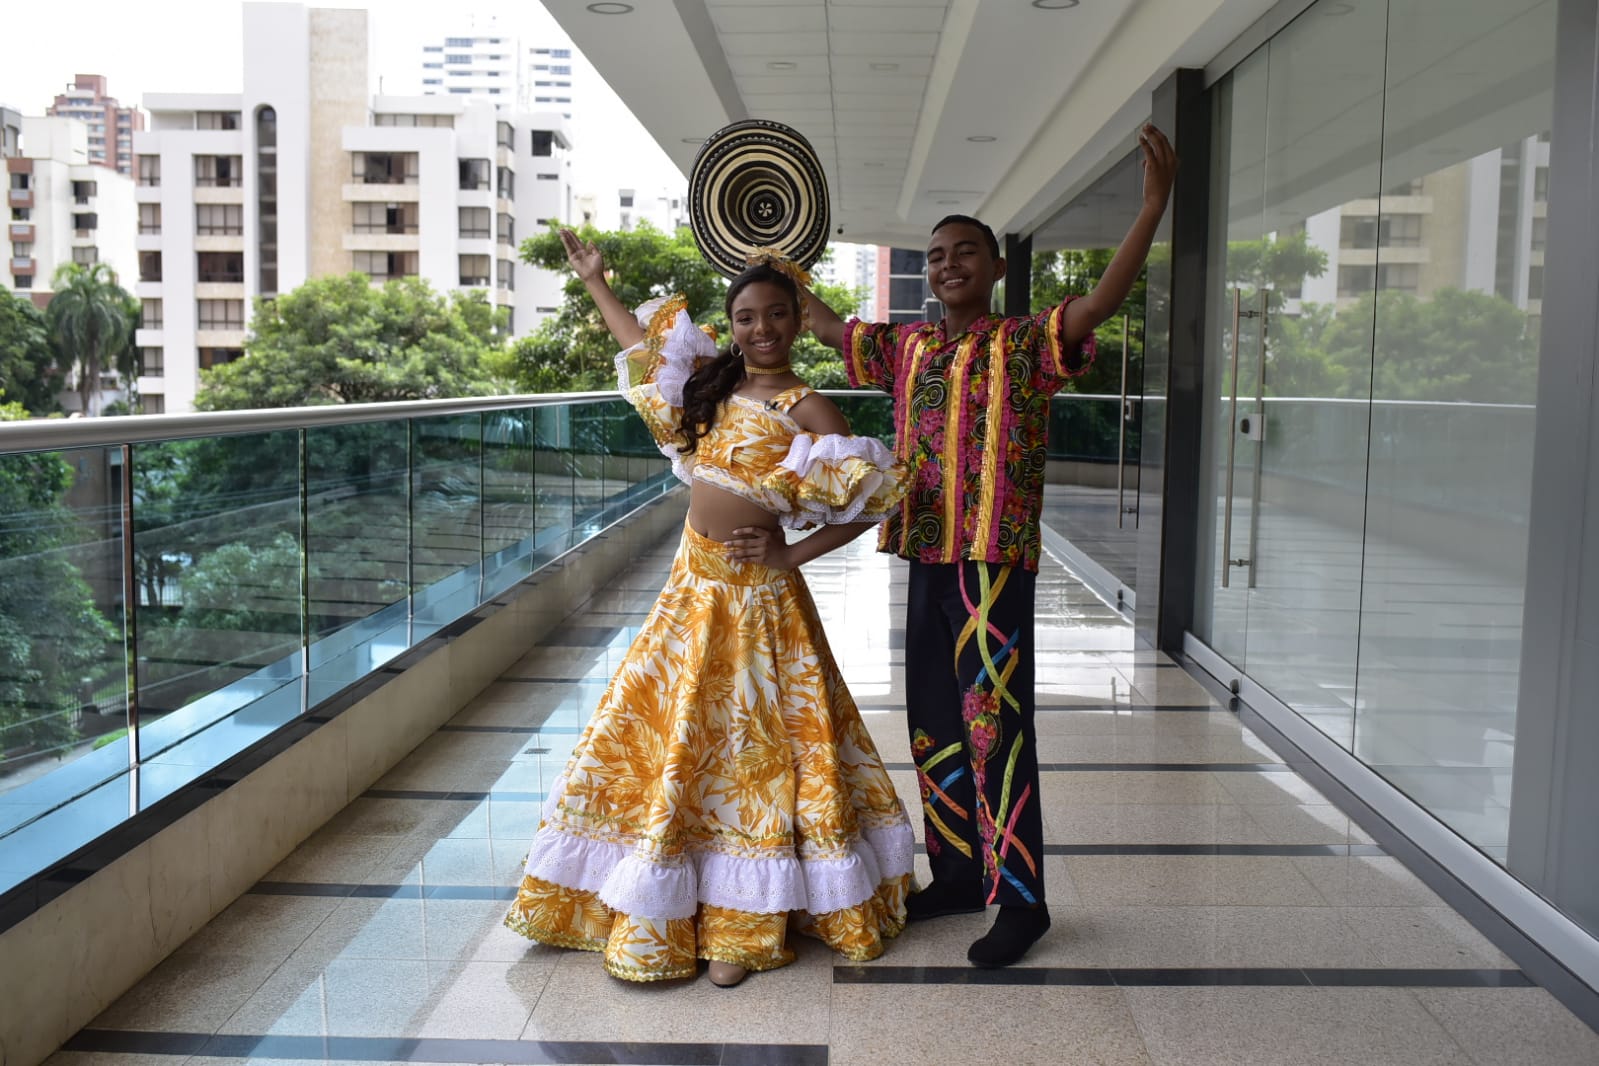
(757, 185)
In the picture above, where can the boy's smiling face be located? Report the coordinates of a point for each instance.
(961, 270)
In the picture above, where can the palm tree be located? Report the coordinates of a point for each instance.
(92, 320)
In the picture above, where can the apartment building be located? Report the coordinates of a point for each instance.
(305, 174)
(487, 59)
(111, 126)
(61, 208)
(1480, 224)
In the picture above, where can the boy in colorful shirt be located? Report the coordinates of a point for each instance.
(971, 417)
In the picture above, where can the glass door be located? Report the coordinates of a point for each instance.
(1300, 133)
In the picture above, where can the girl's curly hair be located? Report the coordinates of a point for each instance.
(715, 381)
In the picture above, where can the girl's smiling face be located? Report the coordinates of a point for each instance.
(765, 323)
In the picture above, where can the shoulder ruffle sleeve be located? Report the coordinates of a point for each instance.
(830, 479)
(651, 374)
(673, 346)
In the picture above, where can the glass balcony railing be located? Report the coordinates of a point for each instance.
(174, 589)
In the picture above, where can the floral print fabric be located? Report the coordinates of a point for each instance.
(971, 418)
(725, 780)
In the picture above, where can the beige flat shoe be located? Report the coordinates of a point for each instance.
(726, 975)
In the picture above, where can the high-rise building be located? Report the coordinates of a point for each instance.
(111, 126)
(485, 58)
(303, 175)
(62, 208)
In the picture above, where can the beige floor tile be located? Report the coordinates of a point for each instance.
(1512, 1026)
(268, 927)
(396, 998)
(1162, 937)
(890, 1025)
(784, 1006)
(189, 993)
(1149, 823)
(1132, 722)
(1290, 1027)
(1309, 823)
(1261, 789)
(1422, 936)
(1190, 880)
(1164, 787)
(1367, 881)
(338, 858)
(436, 930)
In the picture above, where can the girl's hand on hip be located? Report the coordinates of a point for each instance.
(764, 547)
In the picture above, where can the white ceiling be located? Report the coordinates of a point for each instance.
(890, 92)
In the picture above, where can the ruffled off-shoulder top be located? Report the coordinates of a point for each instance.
(755, 449)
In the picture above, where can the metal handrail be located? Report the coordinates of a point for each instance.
(61, 434)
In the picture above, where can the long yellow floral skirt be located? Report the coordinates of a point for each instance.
(725, 783)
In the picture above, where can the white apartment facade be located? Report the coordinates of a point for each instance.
(61, 208)
(305, 174)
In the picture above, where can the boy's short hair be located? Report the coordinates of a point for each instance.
(968, 220)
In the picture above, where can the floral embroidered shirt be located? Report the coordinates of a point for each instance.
(971, 419)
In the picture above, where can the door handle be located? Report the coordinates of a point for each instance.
(1121, 433)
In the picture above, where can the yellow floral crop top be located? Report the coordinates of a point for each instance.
(755, 449)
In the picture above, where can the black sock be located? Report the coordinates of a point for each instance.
(945, 897)
(1015, 930)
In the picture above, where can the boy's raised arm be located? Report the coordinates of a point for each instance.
(1160, 167)
(589, 266)
(825, 323)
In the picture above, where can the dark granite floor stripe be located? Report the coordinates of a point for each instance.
(1143, 767)
(1280, 851)
(1056, 708)
(344, 890)
(560, 680)
(1181, 977)
(488, 729)
(438, 1049)
(508, 796)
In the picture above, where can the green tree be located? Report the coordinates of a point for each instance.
(572, 351)
(52, 637)
(28, 372)
(343, 340)
(92, 320)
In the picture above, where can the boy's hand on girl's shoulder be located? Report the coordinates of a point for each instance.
(1159, 164)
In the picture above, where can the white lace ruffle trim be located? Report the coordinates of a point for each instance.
(809, 449)
(629, 882)
(683, 345)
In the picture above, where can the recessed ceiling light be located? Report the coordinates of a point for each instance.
(885, 66)
(871, 163)
(1054, 5)
(693, 140)
(981, 138)
(611, 9)
(782, 64)
(946, 202)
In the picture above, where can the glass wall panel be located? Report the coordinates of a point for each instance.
(508, 504)
(358, 540)
(553, 494)
(217, 551)
(63, 670)
(1291, 353)
(446, 515)
(1458, 251)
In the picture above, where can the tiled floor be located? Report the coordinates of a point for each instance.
(1209, 905)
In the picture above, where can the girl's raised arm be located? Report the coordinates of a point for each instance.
(589, 266)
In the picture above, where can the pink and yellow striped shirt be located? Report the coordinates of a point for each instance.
(971, 419)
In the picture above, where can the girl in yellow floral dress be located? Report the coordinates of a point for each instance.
(726, 783)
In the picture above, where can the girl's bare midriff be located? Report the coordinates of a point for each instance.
(716, 513)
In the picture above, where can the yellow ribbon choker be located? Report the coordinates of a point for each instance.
(765, 370)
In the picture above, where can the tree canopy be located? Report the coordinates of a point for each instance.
(572, 351)
(344, 340)
(29, 375)
(92, 320)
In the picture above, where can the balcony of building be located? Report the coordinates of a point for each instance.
(365, 641)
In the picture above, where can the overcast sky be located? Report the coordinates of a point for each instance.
(190, 46)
